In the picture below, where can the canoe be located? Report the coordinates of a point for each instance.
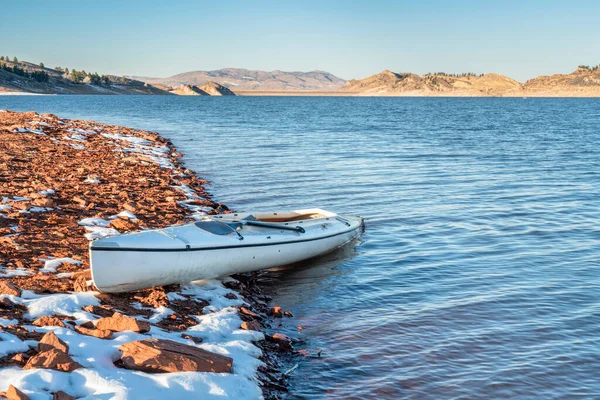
(219, 245)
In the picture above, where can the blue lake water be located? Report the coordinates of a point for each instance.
(479, 273)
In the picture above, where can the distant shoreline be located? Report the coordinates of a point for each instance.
(22, 77)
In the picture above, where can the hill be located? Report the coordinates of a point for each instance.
(23, 76)
(437, 84)
(583, 82)
(208, 89)
(244, 79)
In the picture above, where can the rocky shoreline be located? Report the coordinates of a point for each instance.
(66, 182)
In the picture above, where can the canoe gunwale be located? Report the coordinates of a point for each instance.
(240, 245)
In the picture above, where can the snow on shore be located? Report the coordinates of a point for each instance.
(100, 378)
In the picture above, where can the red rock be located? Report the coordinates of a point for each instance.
(99, 333)
(158, 355)
(12, 393)
(276, 312)
(23, 333)
(120, 323)
(53, 359)
(87, 274)
(88, 325)
(288, 314)
(8, 288)
(7, 304)
(80, 201)
(21, 205)
(102, 310)
(249, 313)
(45, 320)
(156, 298)
(253, 325)
(80, 285)
(284, 342)
(50, 341)
(60, 395)
(43, 202)
(122, 225)
(19, 359)
(195, 339)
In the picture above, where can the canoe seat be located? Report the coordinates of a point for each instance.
(215, 227)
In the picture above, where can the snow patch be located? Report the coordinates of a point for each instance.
(93, 222)
(99, 232)
(50, 265)
(59, 304)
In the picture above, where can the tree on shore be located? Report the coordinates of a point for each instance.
(15, 59)
(40, 76)
(1, 58)
(42, 64)
(77, 76)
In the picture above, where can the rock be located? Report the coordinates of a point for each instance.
(88, 325)
(231, 296)
(276, 312)
(102, 310)
(43, 202)
(120, 323)
(87, 274)
(48, 321)
(19, 359)
(122, 225)
(284, 342)
(249, 313)
(7, 304)
(80, 285)
(50, 341)
(22, 333)
(21, 205)
(159, 355)
(99, 333)
(12, 393)
(195, 339)
(253, 325)
(8, 288)
(156, 298)
(53, 359)
(60, 395)
(80, 201)
(288, 314)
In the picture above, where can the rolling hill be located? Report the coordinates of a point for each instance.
(244, 79)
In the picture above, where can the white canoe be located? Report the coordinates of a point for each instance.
(220, 245)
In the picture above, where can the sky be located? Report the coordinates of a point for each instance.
(351, 39)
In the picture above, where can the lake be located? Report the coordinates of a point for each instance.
(479, 273)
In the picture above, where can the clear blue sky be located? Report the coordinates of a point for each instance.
(351, 39)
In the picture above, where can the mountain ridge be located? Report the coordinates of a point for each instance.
(23, 76)
(246, 79)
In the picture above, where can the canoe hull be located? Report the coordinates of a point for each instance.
(121, 269)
